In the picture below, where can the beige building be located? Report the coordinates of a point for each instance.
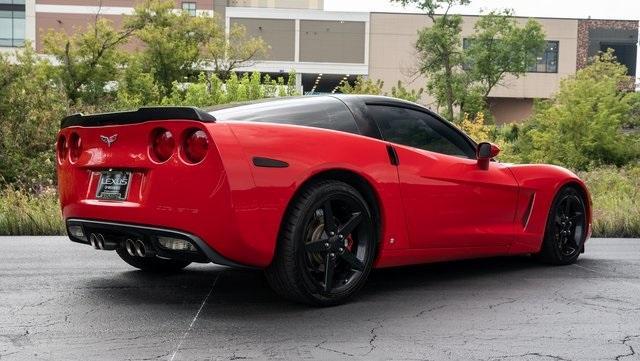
(327, 47)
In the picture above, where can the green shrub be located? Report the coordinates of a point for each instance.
(616, 201)
(31, 107)
(581, 126)
(25, 213)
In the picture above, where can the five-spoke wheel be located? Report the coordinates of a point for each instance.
(566, 228)
(327, 245)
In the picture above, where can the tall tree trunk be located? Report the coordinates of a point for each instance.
(449, 88)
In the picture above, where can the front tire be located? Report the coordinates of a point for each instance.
(327, 246)
(566, 228)
(152, 264)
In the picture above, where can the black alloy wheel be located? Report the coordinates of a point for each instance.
(566, 228)
(327, 246)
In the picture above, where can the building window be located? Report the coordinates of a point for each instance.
(12, 23)
(189, 7)
(547, 62)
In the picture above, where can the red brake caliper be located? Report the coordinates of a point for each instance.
(349, 242)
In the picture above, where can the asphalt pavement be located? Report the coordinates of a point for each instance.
(64, 301)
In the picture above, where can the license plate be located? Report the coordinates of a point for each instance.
(114, 185)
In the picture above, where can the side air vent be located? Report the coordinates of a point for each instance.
(527, 213)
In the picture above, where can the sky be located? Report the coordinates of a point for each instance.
(597, 9)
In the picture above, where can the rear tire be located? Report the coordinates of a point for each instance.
(329, 226)
(566, 228)
(152, 264)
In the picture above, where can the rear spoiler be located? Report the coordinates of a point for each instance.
(144, 114)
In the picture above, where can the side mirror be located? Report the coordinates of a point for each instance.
(485, 152)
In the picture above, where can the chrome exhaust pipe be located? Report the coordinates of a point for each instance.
(140, 248)
(100, 241)
(130, 247)
(93, 239)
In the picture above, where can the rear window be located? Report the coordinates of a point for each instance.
(318, 112)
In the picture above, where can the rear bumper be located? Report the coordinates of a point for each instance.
(118, 232)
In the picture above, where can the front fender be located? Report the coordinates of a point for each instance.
(542, 182)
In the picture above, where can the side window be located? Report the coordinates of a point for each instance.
(419, 130)
(318, 112)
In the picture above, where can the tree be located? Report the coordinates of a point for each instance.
(172, 41)
(401, 92)
(374, 87)
(581, 125)
(178, 46)
(226, 54)
(499, 46)
(362, 85)
(31, 106)
(440, 52)
(458, 77)
(88, 59)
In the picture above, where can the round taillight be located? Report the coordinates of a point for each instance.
(162, 144)
(195, 145)
(61, 147)
(75, 147)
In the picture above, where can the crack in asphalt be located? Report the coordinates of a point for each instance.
(372, 340)
(332, 350)
(373, 337)
(510, 300)
(632, 351)
(419, 314)
(536, 354)
(193, 321)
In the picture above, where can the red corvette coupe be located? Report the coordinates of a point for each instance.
(316, 191)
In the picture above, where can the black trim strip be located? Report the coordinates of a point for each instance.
(137, 116)
(269, 162)
(393, 155)
(211, 254)
(12, 7)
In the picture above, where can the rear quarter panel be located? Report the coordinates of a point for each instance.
(309, 152)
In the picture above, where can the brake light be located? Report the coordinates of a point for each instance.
(75, 147)
(61, 147)
(162, 144)
(195, 145)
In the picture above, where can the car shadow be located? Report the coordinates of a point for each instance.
(243, 292)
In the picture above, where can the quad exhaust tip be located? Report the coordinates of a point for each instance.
(129, 245)
(97, 240)
(138, 248)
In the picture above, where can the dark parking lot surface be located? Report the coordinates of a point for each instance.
(63, 301)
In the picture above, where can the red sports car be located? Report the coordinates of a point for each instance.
(316, 191)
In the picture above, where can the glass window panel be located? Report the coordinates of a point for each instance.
(189, 7)
(547, 62)
(419, 130)
(18, 29)
(6, 30)
(318, 112)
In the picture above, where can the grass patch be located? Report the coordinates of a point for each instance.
(26, 213)
(615, 192)
(616, 201)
